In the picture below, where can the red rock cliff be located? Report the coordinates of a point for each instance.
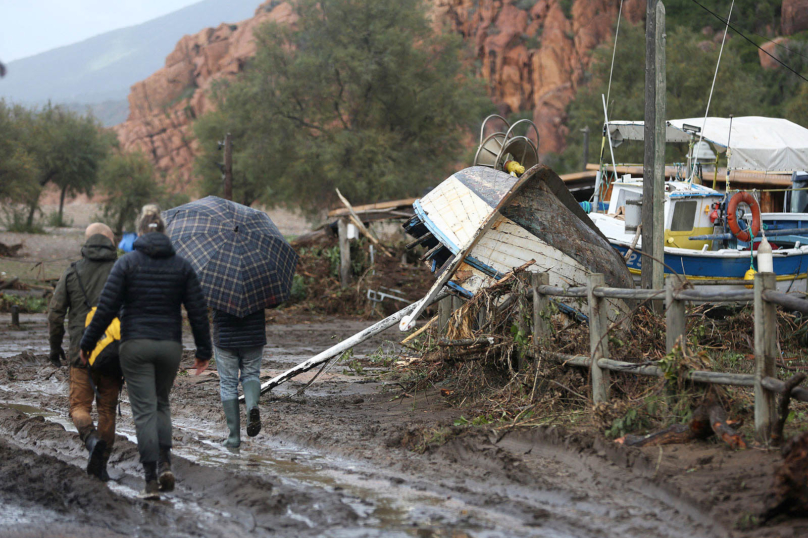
(532, 54)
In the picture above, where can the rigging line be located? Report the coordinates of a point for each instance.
(710, 98)
(614, 52)
(749, 40)
(792, 51)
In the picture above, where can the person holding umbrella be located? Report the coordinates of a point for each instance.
(149, 286)
(244, 265)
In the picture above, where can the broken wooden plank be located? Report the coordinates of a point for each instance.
(420, 331)
(358, 223)
(392, 204)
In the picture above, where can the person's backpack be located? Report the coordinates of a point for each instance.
(105, 358)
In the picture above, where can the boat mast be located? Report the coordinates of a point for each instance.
(712, 87)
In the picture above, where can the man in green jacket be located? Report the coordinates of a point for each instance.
(90, 273)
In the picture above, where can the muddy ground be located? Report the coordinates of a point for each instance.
(354, 456)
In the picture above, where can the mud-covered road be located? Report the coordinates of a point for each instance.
(338, 460)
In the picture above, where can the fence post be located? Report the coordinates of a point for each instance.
(676, 325)
(15, 316)
(598, 338)
(765, 354)
(444, 312)
(541, 309)
(344, 254)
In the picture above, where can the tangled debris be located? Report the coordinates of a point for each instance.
(316, 287)
(486, 359)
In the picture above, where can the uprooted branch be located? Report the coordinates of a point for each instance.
(708, 419)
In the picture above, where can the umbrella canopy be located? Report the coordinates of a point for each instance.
(243, 262)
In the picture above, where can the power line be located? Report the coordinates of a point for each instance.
(792, 51)
(720, 18)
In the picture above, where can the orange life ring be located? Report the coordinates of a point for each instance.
(743, 235)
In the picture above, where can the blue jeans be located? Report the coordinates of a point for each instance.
(228, 364)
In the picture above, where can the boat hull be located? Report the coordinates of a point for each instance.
(497, 224)
(725, 270)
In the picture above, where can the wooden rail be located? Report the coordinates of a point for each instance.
(764, 295)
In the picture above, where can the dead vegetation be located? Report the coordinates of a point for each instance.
(486, 362)
(316, 289)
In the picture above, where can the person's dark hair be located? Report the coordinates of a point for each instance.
(150, 220)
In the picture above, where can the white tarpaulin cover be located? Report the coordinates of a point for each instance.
(757, 143)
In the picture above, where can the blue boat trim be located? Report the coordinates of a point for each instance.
(436, 232)
(460, 289)
(487, 269)
(567, 309)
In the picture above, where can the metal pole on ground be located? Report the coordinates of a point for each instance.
(765, 354)
(653, 236)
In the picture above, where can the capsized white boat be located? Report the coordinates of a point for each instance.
(481, 223)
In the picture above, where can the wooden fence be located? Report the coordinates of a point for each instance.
(765, 298)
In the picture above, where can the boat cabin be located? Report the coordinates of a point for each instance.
(687, 209)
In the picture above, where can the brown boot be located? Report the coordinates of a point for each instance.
(165, 477)
(152, 490)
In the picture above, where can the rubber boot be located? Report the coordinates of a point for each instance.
(104, 474)
(252, 390)
(96, 447)
(231, 413)
(152, 490)
(165, 476)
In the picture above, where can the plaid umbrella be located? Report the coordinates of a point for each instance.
(243, 262)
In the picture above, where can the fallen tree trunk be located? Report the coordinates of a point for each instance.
(336, 350)
(708, 419)
(676, 434)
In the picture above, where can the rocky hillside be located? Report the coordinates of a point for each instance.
(97, 73)
(533, 54)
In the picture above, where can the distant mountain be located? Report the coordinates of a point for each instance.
(98, 72)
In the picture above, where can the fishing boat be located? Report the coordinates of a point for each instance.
(711, 237)
(694, 246)
(481, 223)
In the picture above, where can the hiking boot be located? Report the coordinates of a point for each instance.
(96, 447)
(252, 390)
(152, 490)
(165, 476)
(231, 413)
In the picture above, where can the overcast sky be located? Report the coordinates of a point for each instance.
(33, 26)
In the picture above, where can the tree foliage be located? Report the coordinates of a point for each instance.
(361, 94)
(690, 68)
(128, 182)
(70, 148)
(18, 167)
(42, 146)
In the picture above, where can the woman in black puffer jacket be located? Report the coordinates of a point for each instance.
(148, 286)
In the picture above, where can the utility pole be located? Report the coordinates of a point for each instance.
(228, 167)
(585, 130)
(653, 192)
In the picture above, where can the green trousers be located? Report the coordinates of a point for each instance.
(149, 367)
